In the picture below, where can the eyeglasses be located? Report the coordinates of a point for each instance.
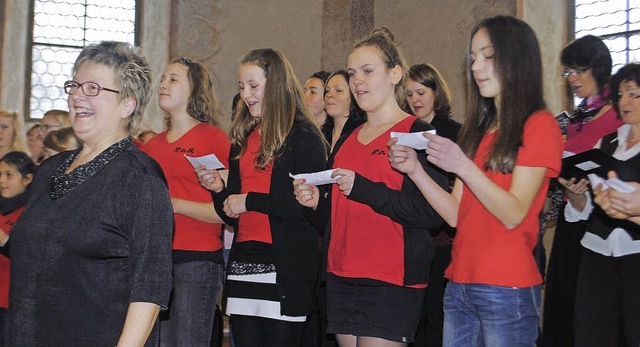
(47, 127)
(88, 88)
(575, 73)
(631, 94)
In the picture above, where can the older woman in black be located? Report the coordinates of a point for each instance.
(91, 253)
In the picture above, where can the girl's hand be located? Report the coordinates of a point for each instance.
(209, 179)
(402, 158)
(345, 180)
(446, 154)
(306, 194)
(235, 205)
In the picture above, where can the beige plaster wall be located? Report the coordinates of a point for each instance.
(436, 32)
(220, 32)
(548, 19)
(14, 55)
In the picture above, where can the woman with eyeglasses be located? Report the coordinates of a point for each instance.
(607, 306)
(91, 253)
(52, 120)
(587, 69)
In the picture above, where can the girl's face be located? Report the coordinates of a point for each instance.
(482, 65)
(175, 89)
(371, 82)
(313, 91)
(337, 97)
(251, 82)
(12, 182)
(7, 132)
(420, 98)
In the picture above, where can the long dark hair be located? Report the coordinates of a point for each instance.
(518, 68)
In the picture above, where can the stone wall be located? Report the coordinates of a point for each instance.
(314, 35)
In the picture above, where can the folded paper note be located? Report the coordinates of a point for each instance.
(209, 161)
(614, 183)
(413, 140)
(317, 178)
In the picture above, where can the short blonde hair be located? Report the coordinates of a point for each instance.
(131, 73)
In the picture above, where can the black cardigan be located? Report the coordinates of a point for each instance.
(406, 206)
(294, 239)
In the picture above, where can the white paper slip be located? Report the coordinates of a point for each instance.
(614, 183)
(317, 178)
(209, 161)
(413, 140)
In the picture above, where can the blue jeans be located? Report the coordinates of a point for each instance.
(189, 320)
(486, 315)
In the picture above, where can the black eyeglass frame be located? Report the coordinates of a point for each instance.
(68, 85)
(575, 72)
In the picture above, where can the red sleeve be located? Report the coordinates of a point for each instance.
(542, 144)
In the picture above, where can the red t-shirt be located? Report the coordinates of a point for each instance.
(6, 222)
(484, 250)
(190, 234)
(365, 244)
(254, 226)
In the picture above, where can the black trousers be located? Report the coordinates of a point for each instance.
(560, 284)
(607, 309)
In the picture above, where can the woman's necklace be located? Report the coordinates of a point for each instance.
(633, 139)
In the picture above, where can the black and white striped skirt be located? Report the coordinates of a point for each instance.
(252, 291)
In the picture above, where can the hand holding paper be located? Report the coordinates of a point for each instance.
(316, 178)
(209, 161)
(413, 140)
(613, 182)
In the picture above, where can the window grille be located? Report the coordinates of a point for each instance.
(61, 29)
(616, 22)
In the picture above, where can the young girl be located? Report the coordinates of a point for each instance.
(186, 94)
(16, 173)
(273, 265)
(509, 149)
(379, 247)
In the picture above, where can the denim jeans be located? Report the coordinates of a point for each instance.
(486, 315)
(189, 320)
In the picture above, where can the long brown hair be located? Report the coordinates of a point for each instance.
(518, 67)
(202, 104)
(282, 104)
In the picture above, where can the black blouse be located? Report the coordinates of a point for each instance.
(87, 244)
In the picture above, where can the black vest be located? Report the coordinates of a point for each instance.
(628, 170)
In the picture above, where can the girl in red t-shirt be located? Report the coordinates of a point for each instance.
(16, 173)
(379, 248)
(510, 147)
(186, 95)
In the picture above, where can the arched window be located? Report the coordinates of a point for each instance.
(616, 22)
(61, 29)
